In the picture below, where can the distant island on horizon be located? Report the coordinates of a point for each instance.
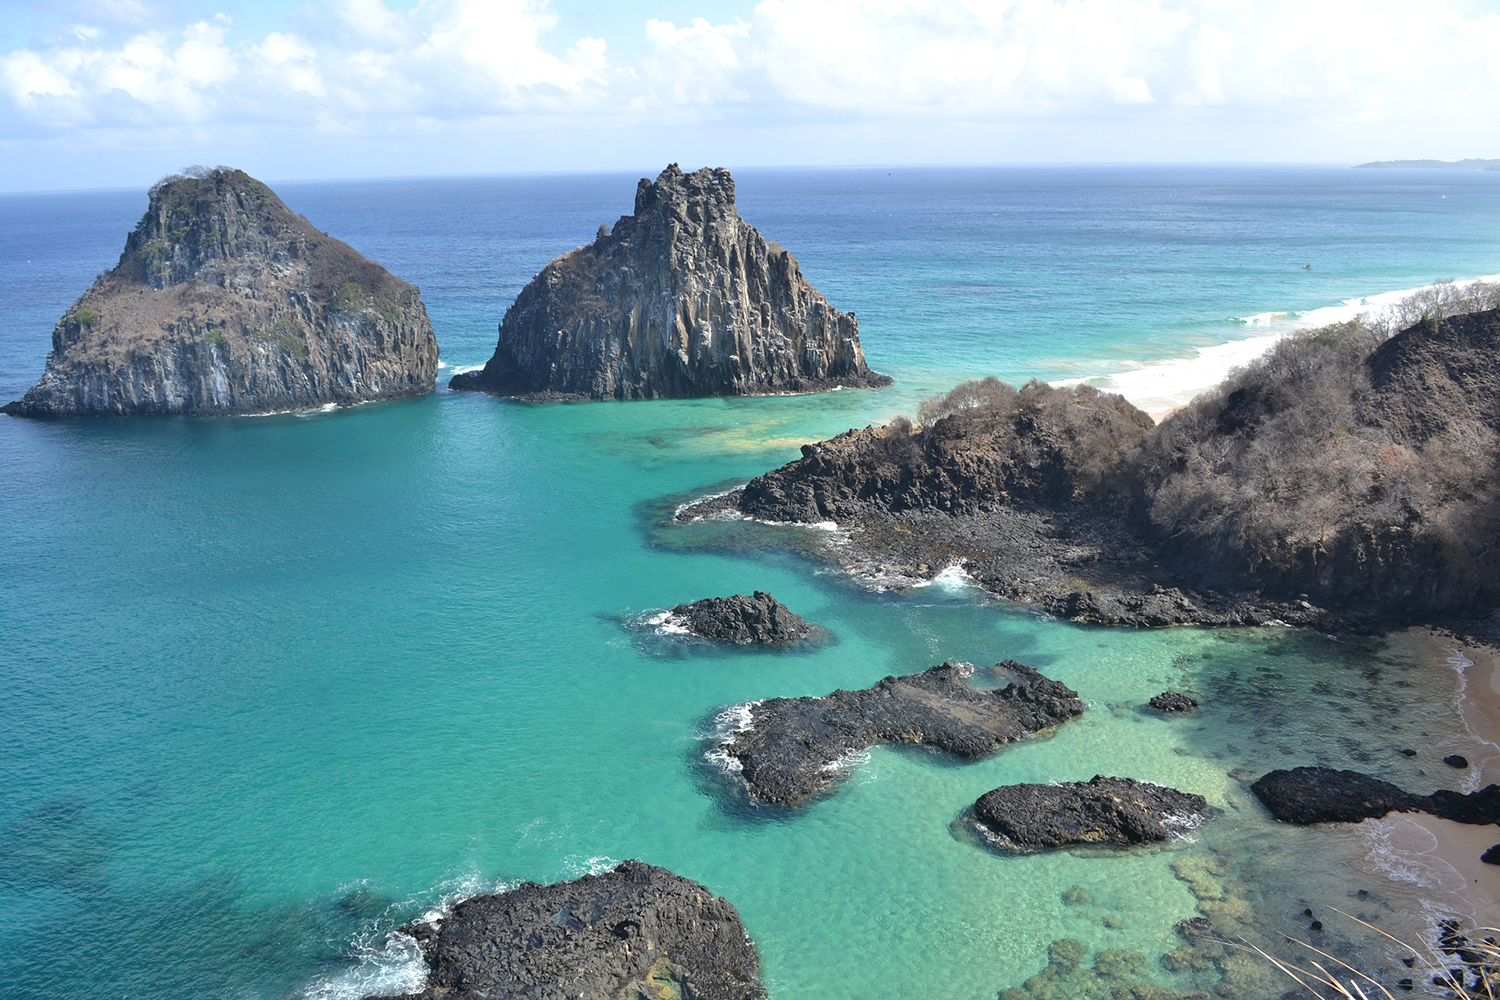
(1469, 164)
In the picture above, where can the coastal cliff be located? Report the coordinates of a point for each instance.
(683, 298)
(1346, 476)
(225, 302)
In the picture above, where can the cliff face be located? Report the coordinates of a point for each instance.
(225, 302)
(683, 298)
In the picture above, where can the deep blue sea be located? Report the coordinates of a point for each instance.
(270, 687)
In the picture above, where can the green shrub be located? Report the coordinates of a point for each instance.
(348, 298)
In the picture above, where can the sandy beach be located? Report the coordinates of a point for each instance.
(1450, 851)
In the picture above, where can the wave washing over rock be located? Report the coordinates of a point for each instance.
(635, 931)
(681, 299)
(225, 302)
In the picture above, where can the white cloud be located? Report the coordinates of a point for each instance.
(367, 66)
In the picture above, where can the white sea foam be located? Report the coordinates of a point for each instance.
(1405, 851)
(1160, 386)
(1461, 665)
(390, 964)
(814, 525)
(577, 866)
(387, 961)
(728, 725)
(460, 369)
(954, 577)
(666, 623)
(847, 762)
(683, 508)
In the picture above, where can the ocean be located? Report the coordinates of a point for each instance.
(273, 686)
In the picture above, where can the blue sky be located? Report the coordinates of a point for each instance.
(114, 93)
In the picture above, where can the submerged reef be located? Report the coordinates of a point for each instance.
(225, 302)
(634, 932)
(682, 298)
(793, 748)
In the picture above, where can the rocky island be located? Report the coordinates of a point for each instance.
(1120, 812)
(792, 748)
(225, 302)
(634, 932)
(683, 298)
(759, 619)
(1347, 477)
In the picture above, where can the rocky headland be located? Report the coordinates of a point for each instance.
(759, 619)
(1347, 479)
(1118, 812)
(794, 748)
(225, 302)
(632, 933)
(682, 298)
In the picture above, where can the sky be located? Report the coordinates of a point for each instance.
(116, 93)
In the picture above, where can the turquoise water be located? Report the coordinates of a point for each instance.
(272, 686)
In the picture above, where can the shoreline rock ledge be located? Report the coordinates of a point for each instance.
(634, 932)
(226, 302)
(681, 299)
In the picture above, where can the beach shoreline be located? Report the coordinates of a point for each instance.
(1469, 885)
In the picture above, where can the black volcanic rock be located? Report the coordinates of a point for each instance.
(758, 619)
(681, 299)
(636, 931)
(225, 302)
(1457, 760)
(794, 746)
(1305, 795)
(1491, 856)
(1119, 811)
(1171, 702)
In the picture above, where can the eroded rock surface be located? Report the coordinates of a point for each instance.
(683, 298)
(1118, 811)
(225, 302)
(635, 933)
(759, 619)
(795, 746)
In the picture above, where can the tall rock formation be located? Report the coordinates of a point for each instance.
(225, 302)
(683, 298)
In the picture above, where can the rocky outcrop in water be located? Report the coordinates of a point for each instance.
(794, 747)
(1115, 811)
(633, 933)
(759, 620)
(225, 302)
(1173, 703)
(1306, 795)
(683, 298)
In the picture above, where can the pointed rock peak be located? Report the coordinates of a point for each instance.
(204, 215)
(703, 193)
